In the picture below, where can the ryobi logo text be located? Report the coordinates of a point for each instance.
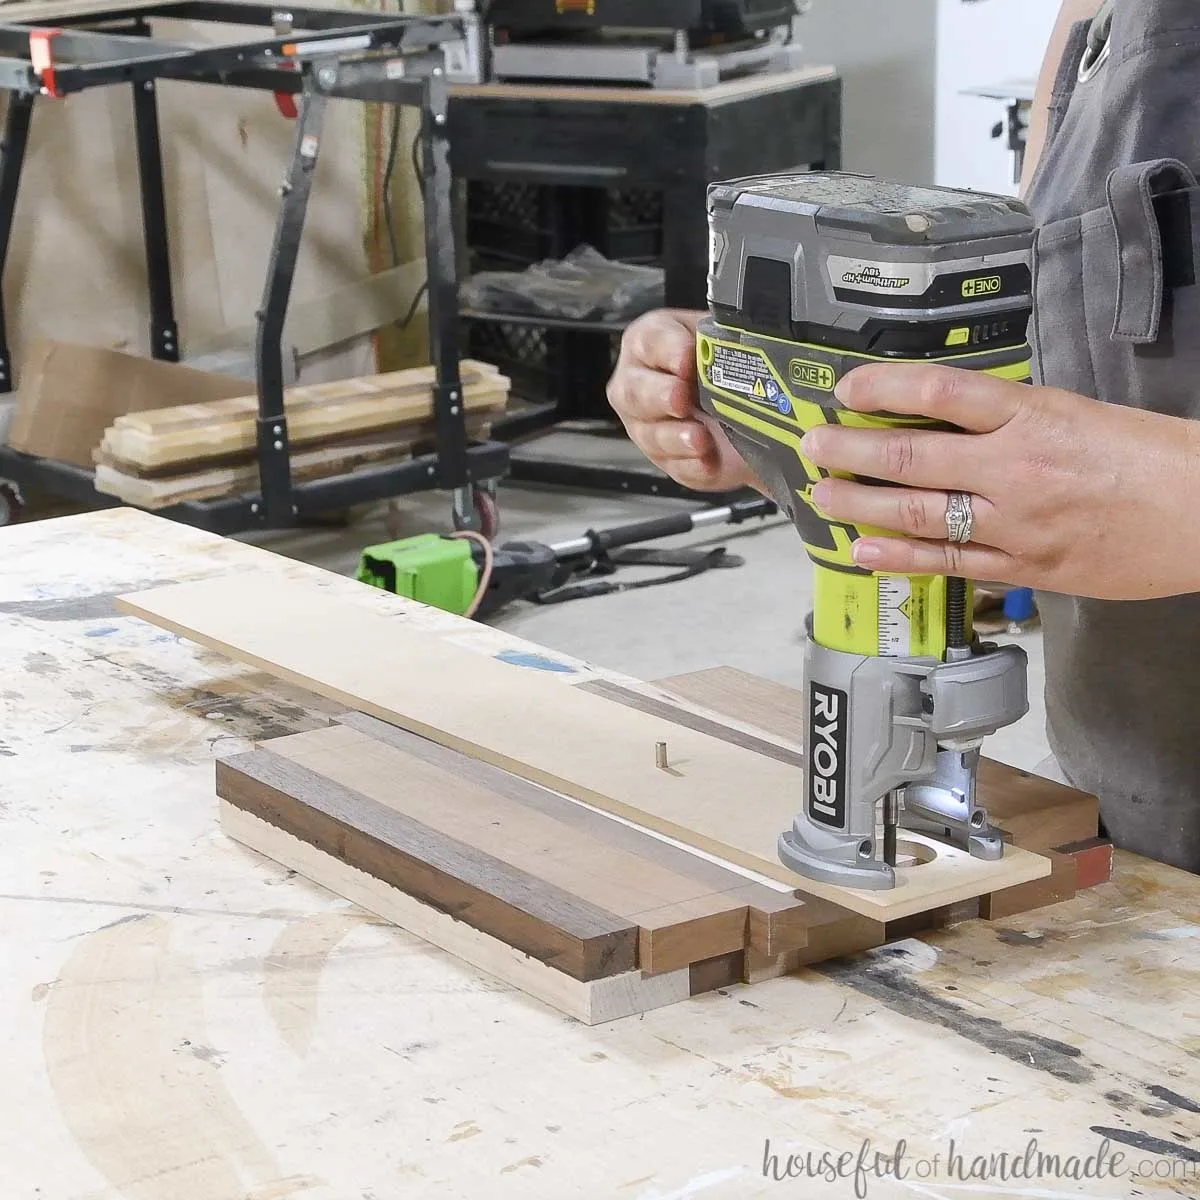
(827, 755)
(981, 285)
(872, 277)
(811, 375)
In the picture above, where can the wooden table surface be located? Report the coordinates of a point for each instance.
(182, 1020)
(741, 88)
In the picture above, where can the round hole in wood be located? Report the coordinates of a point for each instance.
(914, 854)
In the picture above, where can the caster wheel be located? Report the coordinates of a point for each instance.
(11, 505)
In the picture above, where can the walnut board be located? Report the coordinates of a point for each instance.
(521, 720)
(506, 856)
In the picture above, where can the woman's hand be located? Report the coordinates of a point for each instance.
(653, 391)
(1069, 495)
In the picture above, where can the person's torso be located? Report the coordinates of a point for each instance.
(1117, 317)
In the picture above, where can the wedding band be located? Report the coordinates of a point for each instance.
(960, 518)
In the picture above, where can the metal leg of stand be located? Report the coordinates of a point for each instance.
(164, 333)
(274, 463)
(685, 241)
(450, 422)
(12, 156)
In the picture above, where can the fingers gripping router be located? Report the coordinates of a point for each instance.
(812, 275)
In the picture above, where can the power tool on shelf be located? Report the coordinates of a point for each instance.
(655, 43)
(812, 275)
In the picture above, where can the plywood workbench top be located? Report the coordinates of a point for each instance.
(182, 1020)
(741, 88)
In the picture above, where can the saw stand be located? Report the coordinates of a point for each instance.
(314, 54)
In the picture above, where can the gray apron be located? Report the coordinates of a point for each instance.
(1117, 317)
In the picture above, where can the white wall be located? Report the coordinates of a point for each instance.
(885, 51)
(981, 42)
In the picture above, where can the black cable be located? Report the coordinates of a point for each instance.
(389, 217)
(388, 172)
(416, 166)
(406, 320)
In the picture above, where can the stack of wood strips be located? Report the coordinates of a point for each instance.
(202, 451)
(446, 801)
(592, 915)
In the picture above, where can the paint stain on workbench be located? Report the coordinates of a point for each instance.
(1166, 1102)
(41, 663)
(1061, 984)
(1017, 937)
(74, 608)
(779, 1085)
(901, 993)
(1174, 1099)
(538, 662)
(157, 1124)
(1179, 933)
(533, 1160)
(255, 717)
(205, 1054)
(280, 1189)
(1148, 1143)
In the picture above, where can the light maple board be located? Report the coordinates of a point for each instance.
(199, 433)
(717, 797)
(593, 1001)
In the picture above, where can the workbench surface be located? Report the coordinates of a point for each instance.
(181, 1019)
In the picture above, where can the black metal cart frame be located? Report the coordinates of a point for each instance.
(315, 54)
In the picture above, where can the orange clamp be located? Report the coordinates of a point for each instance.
(41, 57)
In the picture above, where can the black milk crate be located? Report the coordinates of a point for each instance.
(546, 364)
(522, 352)
(511, 224)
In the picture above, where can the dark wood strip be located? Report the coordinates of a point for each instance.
(1058, 886)
(547, 923)
(723, 970)
(777, 921)
(1093, 861)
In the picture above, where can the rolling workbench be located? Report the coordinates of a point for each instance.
(306, 57)
(180, 1018)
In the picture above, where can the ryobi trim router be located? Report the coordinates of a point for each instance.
(811, 276)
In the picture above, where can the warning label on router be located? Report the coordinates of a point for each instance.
(747, 373)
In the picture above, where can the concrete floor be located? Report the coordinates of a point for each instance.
(750, 617)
